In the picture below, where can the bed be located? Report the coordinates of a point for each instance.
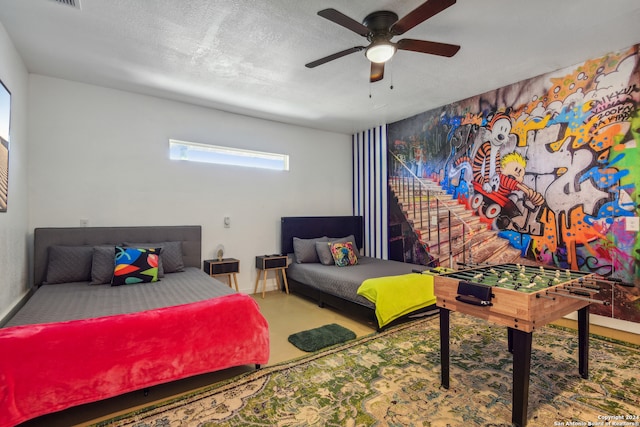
(339, 286)
(80, 341)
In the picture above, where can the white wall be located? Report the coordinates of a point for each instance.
(13, 223)
(102, 155)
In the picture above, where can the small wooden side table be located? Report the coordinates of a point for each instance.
(276, 263)
(224, 267)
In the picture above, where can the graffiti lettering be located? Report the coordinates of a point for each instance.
(620, 110)
(619, 113)
(614, 98)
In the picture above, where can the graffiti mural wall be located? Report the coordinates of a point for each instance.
(550, 163)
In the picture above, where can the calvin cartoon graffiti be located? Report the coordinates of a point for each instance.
(498, 198)
(486, 161)
(495, 178)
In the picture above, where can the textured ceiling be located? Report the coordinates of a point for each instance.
(248, 56)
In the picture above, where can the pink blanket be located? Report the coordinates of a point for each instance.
(49, 367)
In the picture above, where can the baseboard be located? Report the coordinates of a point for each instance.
(603, 328)
(17, 307)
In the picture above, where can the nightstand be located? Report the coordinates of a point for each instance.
(276, 263)
(224, 267)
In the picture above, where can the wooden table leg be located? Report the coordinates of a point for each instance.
(521, 371)
(235, 281)
(264, 282)
(444, 347)
(583, 342)
(277, 279)
(284, 278)
(255, 289)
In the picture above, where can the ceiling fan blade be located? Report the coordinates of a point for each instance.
(420, 14)
(343, 20)
(433, 48)
(377, 71)
(334, 56)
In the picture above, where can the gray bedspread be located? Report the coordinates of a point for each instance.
(72, 301)
(344, 282)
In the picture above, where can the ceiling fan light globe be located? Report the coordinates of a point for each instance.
(380, 53)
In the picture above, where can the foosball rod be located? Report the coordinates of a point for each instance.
(513, 280)
(591, 300)
(551, 275)
(543, 275)
(581, 288)
(487, 270)
(599, 278)
(470, 276)
(592, 282)
(530, 269)
(508, 281)
(548, 271)
(538, 271)
(614, 280)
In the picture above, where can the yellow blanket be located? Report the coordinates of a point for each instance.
(395, 296)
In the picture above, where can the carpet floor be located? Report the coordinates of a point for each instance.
(393, 379)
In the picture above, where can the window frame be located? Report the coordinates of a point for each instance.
(225, 155)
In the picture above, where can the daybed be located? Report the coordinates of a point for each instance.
(403, 293)
(74, 342)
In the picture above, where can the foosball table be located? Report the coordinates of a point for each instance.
(522, 298)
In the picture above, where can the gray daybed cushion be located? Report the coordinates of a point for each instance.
(102, 264)
(170, 255)
(69, 264)
(324, 248)
(305, 249)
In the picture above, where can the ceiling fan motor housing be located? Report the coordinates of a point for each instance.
(379, 23)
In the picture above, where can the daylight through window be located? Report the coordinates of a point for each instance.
(195, 152)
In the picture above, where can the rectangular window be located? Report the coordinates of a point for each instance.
(195, 152)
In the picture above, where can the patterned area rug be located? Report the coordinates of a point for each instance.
(393, 379)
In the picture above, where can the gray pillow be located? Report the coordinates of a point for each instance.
(324, 253)
(170, 255)
(69, 264)
(324, 249)
(305, 249)
(102, 264)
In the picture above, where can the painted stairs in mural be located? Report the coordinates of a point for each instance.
(447, 229)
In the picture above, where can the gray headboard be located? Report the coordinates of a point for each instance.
(190, 235)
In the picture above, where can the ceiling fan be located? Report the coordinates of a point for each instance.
(380, 27)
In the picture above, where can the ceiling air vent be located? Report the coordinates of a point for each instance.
(72, 3)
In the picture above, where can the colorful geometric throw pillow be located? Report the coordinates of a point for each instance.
(344, 254)
(135, 265)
